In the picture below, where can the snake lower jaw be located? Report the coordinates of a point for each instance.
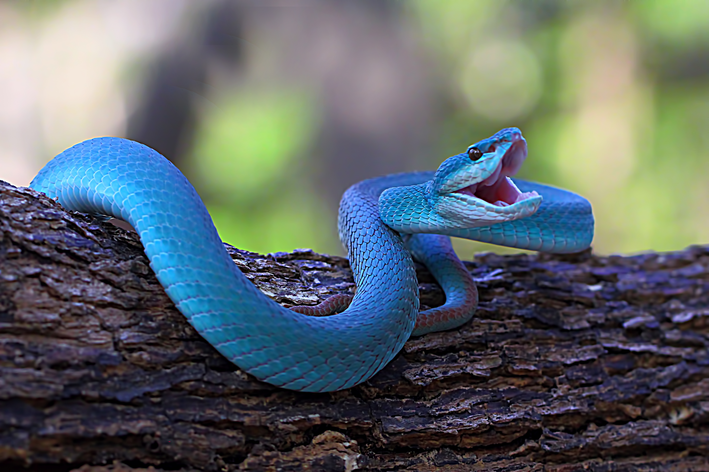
(464, 211)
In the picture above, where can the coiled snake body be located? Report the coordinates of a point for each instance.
(470, 196)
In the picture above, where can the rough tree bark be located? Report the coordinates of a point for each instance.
(572, 363)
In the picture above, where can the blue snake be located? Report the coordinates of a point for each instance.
(382, 222)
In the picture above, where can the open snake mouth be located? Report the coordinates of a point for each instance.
(498, 189)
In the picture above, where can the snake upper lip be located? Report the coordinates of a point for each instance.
(498, 189)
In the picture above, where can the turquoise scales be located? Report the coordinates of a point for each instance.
(113, 176)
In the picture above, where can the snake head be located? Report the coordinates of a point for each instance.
(473, 188)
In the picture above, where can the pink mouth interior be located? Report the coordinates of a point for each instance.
(498, 189)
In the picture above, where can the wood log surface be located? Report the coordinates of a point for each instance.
(577, 362)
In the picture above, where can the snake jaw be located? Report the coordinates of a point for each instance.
(497, 188)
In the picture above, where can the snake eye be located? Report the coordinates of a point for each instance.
(474, 153)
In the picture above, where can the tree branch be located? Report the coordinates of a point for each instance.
(571, 362)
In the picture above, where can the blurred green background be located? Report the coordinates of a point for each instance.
(273, 108)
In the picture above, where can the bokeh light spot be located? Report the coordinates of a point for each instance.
(502, 80)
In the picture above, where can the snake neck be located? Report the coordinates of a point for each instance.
(408, 208)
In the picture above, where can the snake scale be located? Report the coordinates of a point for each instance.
(382, 222)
